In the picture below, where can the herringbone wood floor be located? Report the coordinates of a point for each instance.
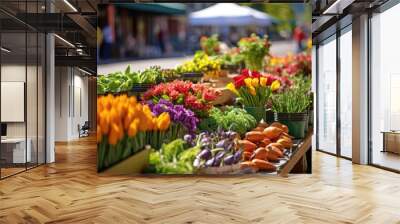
(70, 191)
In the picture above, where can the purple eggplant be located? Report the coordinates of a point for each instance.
(229, 160)
(218, 158)
(237, 156)
(205, 141)
(188, 138)
(204, 154)
(229, 146)
(220, 144)
(210, 162)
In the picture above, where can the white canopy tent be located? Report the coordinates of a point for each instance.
(229, 14)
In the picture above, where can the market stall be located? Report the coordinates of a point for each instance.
(234, 112)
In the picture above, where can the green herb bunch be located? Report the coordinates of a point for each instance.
(295, 99)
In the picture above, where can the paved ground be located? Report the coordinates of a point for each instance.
(277, 48)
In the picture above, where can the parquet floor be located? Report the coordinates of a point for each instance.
(70, 191)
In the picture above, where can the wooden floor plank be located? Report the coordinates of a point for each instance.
(70, 191)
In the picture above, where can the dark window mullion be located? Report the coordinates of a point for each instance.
(26, 86)
(338, 73)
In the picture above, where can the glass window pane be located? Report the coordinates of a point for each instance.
(346, 94)
(13, 85)
(327, 96)
(31, 97)
(385, 84)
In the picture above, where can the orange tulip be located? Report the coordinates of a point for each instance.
(129, 118)
(115, 134)
(99, 134)
(104, 122)
(132, 129)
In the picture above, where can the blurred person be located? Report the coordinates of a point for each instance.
(160, 38)
(234, 36)
(130, 43)
(299, 36)
(108, 40)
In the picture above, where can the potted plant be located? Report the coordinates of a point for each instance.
(253, 91)
(210, 45)
(254, 49)
(291, 107)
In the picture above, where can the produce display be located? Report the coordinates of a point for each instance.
(180, 125)
(218, 150)
(229, 118)
(125, 81)
(265, 146)
(173, 158)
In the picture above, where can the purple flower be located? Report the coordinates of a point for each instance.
(178, 113)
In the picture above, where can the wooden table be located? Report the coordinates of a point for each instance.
(391, 141)
(298, 153)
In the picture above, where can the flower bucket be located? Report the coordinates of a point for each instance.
(269, 116)
(254, 63)
(296, 123)
(311, 118)
(194, 77)
(306, 125)
(134, 164)
(257, 112)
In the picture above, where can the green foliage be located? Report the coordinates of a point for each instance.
(295, 99)
(124, 81)
(231, 118)
(283, 12)
(173, 158)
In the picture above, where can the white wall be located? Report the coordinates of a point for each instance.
(71, 94)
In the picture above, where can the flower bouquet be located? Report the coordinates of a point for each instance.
(123, 126)
(290, 65)
(253, 90)
(201, 64)
(195, 97)
(254, 49)
(210, 45)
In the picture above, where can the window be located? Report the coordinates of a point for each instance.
(326, 101)
(385, 89)
(346, 92)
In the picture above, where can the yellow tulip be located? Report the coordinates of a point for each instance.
(263, 81)
(232, 88)
(275, 85)
(248, 83)
(163, 121)
(252, 91)
(132, 129)
(254, 82)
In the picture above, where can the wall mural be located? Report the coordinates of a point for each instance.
(198, 94)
